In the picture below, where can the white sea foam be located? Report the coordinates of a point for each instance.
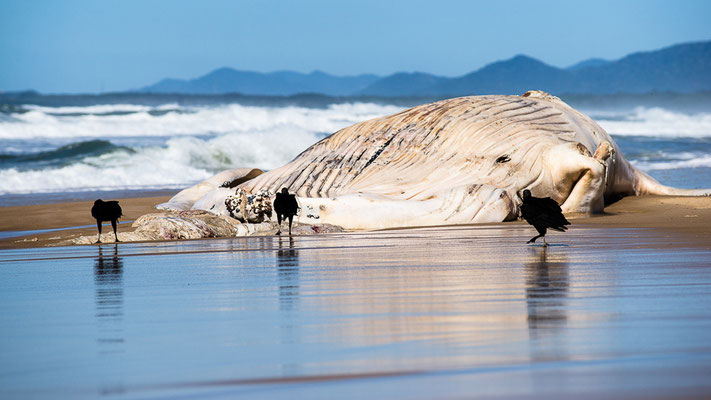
(41, 122)
(52, 123)
(703, 161)
(183, 161)
(196, 143)
(99, 109)
(656, 122)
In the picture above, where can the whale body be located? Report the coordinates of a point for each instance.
(457, 161)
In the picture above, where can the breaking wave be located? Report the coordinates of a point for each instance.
(125, 146)
(678, 162)
(654, 122)
(116, 121)
(61, 156)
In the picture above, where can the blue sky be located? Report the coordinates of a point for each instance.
(93, 46)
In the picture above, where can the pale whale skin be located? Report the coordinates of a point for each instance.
(458, 161)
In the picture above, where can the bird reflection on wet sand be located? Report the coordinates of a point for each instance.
(108, 277)
(287, 264)
(546, 301)
(288, 271)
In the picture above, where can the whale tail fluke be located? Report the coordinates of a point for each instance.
(645, 184)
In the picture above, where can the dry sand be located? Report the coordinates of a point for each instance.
(65, 215)
(686, 216)
(689, 217)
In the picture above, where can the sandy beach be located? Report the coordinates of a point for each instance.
(65, 215)
(689, 217)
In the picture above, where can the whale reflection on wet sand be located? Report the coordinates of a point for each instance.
(447, 312)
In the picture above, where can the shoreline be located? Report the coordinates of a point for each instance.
(65, 220)
(42, 225)
(14, 200)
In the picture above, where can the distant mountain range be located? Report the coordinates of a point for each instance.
(282, 83)
(683, 68)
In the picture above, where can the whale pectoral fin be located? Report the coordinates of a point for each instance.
(586, 195)
(584, 176)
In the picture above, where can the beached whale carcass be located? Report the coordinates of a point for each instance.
(460, 160)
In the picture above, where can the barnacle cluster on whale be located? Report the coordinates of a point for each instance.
(253, 208)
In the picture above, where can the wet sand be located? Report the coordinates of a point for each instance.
(686, 216)
(431, 313)
(618, 307)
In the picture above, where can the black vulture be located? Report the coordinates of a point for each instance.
(106, 211)
(542, 213)
(285, 206)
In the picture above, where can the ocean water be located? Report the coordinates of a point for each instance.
(51, 151)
